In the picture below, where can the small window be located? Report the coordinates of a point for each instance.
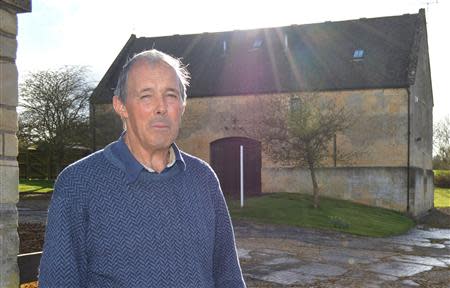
(223, 48)
(358, 54)
(257, 43)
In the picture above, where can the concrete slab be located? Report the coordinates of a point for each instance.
(352, 256)
(243, 253)
(420, 260)
(282, 261)
(289, 277)
(406, 248)
(360, 278)
(429, 238)
(320, 269)
(405, 240)
(318, 258)
(302, 275)
(387, 277)
(446, 260)
(399, 269)
(432, 233)
(272, 252)
(410, 283)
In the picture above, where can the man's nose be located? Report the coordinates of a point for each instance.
(161, 106)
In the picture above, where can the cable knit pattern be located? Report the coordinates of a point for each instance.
(162, 230)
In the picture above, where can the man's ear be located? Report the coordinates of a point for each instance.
(119, 107)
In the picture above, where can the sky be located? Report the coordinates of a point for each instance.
(92, 32)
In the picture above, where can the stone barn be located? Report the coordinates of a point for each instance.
(378, 67)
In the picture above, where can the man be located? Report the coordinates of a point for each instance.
(140, 212)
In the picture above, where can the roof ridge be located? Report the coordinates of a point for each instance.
(285, 26)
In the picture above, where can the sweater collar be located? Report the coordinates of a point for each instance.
(132, 167)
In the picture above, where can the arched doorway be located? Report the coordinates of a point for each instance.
(225, 157)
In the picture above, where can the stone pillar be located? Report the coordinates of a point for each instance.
(9, 169)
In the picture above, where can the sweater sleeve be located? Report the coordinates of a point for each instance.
(64, 261)
(227, 271)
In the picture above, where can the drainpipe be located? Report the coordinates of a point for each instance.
(409, 152)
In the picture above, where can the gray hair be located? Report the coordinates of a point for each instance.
(152, 57)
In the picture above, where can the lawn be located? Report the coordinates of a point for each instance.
(297, 210)
(441, 197)
(442, 178)
(35, 186)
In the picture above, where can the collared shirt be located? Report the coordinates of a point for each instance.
(172, 159)
(133, 167)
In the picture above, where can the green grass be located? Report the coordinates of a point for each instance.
(441, 197)
(297, 210)
(442, 178)
(35, 186)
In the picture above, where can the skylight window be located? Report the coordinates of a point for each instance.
(257, 43)
(358, 54)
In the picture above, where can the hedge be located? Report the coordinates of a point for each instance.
(442, 178)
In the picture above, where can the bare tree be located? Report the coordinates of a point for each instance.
(55, 106)
(441, 143)
(300, 133)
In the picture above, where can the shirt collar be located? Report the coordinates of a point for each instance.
(133, 168)
(172, 159)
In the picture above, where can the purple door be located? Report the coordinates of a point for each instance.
(225, 155)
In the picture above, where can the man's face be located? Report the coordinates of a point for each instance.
(153, 107)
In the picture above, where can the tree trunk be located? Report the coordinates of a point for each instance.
(315, 185)
(59, 160)
(49, 163)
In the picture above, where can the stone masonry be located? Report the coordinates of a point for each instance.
(9, 169)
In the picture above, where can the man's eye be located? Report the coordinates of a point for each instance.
(145, 96)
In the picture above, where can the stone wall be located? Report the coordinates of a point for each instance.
(374, 186)
(379, 136)
(375, 175)
(379, 133)
(421, 192)
(9, 171)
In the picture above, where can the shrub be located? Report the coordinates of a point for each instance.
(442, 178)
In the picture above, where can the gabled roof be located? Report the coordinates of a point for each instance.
(287, 59)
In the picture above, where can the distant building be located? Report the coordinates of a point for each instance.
(378, 67)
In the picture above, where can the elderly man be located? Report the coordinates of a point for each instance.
(140, 212)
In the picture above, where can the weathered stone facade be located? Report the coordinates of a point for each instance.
(379, 131)
(387, 88)
(421, 188)
(376, 175)
(9, 170)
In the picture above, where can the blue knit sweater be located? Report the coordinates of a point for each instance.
(113, 224)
